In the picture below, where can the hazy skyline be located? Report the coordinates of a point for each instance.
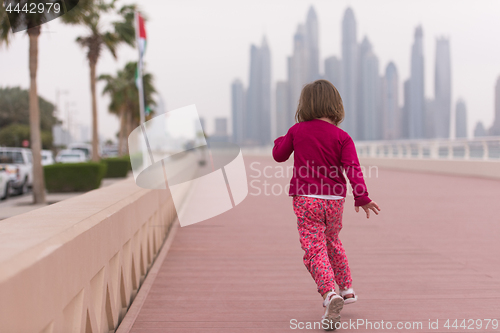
(196, 50)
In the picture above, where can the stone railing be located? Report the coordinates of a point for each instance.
(76, 266)
(478, 157)
(486, 148)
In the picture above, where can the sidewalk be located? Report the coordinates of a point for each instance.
(16, 205)
(432, 254)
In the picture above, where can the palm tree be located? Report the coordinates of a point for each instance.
(125, 98)
(123, 31)
(32, 21)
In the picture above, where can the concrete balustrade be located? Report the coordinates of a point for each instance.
(75, 266)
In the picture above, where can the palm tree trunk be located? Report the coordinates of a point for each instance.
(36, 140)
(95, 135)
(122, 132)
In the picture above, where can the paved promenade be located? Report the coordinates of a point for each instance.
(431, 255)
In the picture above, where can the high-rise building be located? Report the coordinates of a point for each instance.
(495, 129)
(430, 118)
(479, 130)
(220, 126)
(257, 129)
(442, 89)
(333, 71)
(368, 101)
(405, 114)
(348, 88)
(282, 109)
(461, 119)
(297, 70)
(312, 45)
(238, 110)
(391, 115)
(416, 108)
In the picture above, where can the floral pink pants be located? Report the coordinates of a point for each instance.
(319, 222)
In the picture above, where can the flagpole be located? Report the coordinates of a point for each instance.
(140, 87)
(139, 69)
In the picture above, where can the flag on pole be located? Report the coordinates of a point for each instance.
(141, 40)
(141, 45)
(140, 35)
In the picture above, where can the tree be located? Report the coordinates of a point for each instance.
(14, 109)
(32, 21)
(89, 14)
(125, 98)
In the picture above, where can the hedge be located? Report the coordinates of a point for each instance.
(73, 177)
(117, 167)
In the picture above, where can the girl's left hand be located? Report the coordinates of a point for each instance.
(371, 205)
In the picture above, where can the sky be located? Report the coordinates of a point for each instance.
(197, 48)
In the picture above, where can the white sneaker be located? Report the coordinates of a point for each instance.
(350, 300)
(333, 304)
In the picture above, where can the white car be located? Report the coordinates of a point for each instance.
(47, 157)
(18, 162)
(83, 147)
(71, 156)
(4, 183)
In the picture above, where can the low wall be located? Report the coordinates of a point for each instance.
(76, 266)
(475, 168)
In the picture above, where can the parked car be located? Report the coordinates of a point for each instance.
(18, 162)
(110, 151)
(83, 147)
(47, 157)
(70, 156)
(5, 181)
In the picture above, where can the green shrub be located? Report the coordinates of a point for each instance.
(73, 177)
(117, 167)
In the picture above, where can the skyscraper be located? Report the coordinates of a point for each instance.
(333, 71)
(391, 115)
(282, 109)
(417, 100)
(238, 110)
(368, 97)
(257, 128)
(479, 130)
(312, 45)
(349, 72)
(461, 119)
(297, 70)
(405, 115)
(442, 89)
(495, 129)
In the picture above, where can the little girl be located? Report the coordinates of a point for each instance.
(323, 152)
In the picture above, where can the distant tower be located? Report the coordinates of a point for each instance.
(479, 130)
(442, 89)
(461, 119)
(369, 117)
(221, 126)
(333, 71)
(312, 45)
(349, 72)
(391, 115)
(405, 114)
(258, 102)
(417, 100)
(238, 110)
(282, 109)
(495, 129)
(297, 70)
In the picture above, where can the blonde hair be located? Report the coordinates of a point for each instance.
(320, 99)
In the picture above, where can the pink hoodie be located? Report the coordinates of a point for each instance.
(322, 152)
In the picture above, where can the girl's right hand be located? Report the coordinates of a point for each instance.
(371, 205)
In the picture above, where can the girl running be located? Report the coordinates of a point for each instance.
(323, 152)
